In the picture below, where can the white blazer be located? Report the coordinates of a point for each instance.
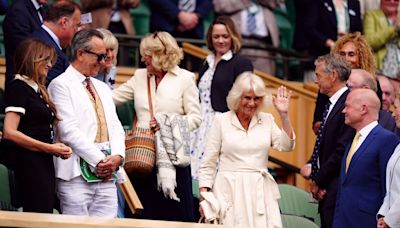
(391, 204)
(78, 125)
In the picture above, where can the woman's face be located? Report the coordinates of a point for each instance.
(248, 104)
(389, 6)
(396, 112)
(43, 67)
(147, 60)
(350, 53)
(221, 39)
(111, 55)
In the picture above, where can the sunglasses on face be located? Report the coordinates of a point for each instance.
(100, 57)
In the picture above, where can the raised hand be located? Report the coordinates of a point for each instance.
(282, 99)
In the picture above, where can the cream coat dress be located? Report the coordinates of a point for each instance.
(246, 192)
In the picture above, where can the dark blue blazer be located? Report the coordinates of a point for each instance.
(224, 76)
(62, 61)
(321, 24)
(164, 16)
(20, 21)
(362, 188)
(335, 137)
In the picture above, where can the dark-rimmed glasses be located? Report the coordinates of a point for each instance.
(100, 57)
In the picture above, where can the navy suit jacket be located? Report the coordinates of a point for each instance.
(362, 188)
(20, 21)
(62, 61)
(164, 16)
(335, 137)
(321, 24)
(224, 76)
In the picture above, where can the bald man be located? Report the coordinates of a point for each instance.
(363, 79)
(363, 171)
(387, 92)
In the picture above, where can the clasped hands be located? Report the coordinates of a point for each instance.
(187, 21)
(317, 193)
(107, 166)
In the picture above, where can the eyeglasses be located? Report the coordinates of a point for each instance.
(100, 57)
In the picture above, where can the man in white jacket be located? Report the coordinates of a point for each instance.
(88, 123)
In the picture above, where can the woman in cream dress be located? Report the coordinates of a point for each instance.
(239, 140)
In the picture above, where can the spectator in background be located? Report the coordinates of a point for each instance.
(367, 5)
(108, 71)
(62, 21)
(180, 18)
(29, 113)
(380, 26)
(363, 79)
(217, 76)
(235, 168)
(113, 15)
(362, 180)
(326, 22)
(90, 125)
(173, 92)
(256, 22)
(388, 93)
(389, 213)
(22, 18)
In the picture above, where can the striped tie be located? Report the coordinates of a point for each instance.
(187, 5)
(89, 87)
(251, 22)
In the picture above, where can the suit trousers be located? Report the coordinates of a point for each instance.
(78, 197)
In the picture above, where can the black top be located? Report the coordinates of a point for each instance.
(225, 75)
(37, 122)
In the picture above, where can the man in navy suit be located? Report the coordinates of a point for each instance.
(178, 17)
(332, 72)
(363, 171)
(60, 25)
(21, 20)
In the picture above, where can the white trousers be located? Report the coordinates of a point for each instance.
(78, 197)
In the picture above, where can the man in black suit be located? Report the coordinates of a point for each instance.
(60, 25)
(332, 72)
(22, 18)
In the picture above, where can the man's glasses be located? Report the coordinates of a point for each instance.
(100, 57)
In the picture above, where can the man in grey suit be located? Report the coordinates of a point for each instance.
(255, 20)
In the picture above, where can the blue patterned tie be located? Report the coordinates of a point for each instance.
(315, 155)
(251, 22)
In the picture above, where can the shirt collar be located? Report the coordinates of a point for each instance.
(36, 4)
(51, 33)
(364, 132)
(335, 97)
(211, 57)
(27, 81)
(174, 71)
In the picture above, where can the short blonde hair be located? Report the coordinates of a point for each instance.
(246, 82)
(110, 41)
(163, 49)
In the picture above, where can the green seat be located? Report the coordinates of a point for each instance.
(126, 113)
(295, 201)
(293, 221)
(5, 192)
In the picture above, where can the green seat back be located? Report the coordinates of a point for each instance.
(5, 193)
(293, 221)
(126, 113)
(141, 18)
(295, 201)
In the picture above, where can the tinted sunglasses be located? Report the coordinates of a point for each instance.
(100, 57)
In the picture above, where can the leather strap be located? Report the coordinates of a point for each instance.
(149, 97)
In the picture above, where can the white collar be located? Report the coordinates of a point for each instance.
(211, 57)
(27, 81)
(364, 132)
(335, 97)
(36, 4)
(54, 36)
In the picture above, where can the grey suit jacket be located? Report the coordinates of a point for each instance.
(234, 7)
(391, 204)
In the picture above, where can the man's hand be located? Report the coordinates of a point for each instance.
(107, 166)
(382, 223)
(188, 20)
(318, 193)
